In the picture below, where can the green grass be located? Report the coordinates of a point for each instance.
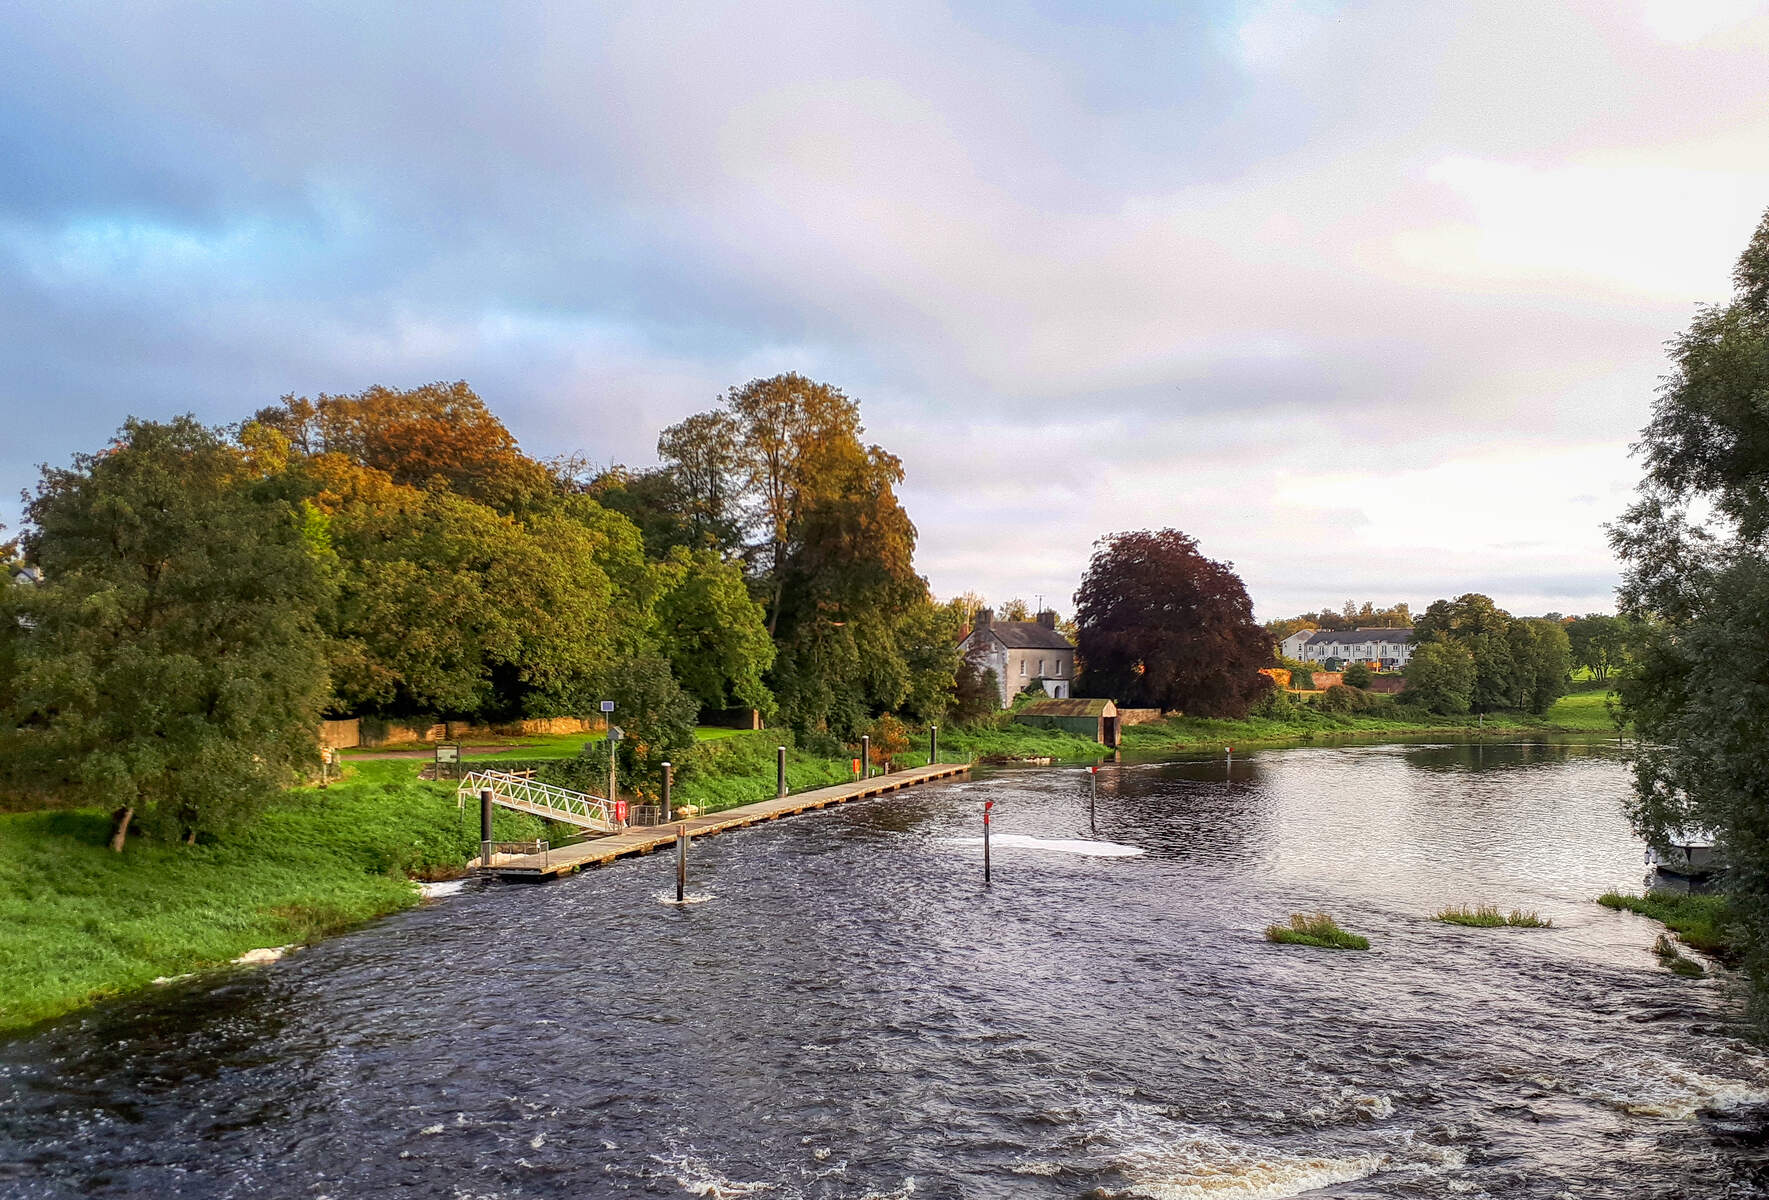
(1318, 929)
(1701, 922)
(1487, 916)
(1581, 711)
(78, 922)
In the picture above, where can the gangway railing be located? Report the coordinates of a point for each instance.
(541, 799)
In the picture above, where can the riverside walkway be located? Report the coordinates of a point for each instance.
(550, 864)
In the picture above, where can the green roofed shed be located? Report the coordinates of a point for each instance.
(1097, 719)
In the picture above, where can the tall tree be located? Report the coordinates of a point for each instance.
(703, 455)
(1486, 631)
(1162, 625)
(790, 430)
(174, 666)
(1696, 549)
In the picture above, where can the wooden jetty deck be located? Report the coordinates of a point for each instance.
(644, 839)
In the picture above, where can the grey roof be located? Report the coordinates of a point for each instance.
(1352, 636)
(1026, 635)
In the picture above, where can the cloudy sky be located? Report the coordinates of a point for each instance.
(1370, 299)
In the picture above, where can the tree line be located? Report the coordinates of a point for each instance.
(207, 594)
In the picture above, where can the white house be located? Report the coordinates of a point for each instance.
(1389, 647)
(1020, 652)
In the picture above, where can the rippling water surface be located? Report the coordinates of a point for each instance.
(849, 1013)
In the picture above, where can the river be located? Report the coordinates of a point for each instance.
(849, 1013)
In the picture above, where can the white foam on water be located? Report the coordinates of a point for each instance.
(435, 891)
(263, 956)
(1025, 841)
(699, 1178)
(1204, 1166)
(1658, 1087)
(688, 898)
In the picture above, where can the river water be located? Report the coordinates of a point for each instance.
(849, 1013)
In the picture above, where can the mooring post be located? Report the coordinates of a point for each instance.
(1092, 796)
(681, 861)
(987, 805)
(666, 793)
(485, 842)
(780, 771)
(933, 744)
(866, 756)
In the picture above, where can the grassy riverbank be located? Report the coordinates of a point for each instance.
(1700, 922)
(78, 922)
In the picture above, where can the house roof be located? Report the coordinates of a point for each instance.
(1353, 636)
(1027, 635)
(1070, 708)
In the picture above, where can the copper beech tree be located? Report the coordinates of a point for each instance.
(1164, 627)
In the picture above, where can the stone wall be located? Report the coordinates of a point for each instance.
(366, 731)
(1137, 716)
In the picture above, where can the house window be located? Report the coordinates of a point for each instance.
(1059, 668)
(1041, 668)
(1022, 666)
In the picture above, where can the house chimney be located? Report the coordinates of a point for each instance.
(985, 616)
(1047, 618)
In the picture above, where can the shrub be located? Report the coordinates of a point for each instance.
(890, 737)
(1342, 699)
(1357, 675)
(1318, 929)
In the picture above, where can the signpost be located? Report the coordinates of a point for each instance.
(448, 760)
(614, 734)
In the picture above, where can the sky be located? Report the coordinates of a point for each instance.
(1370, 299)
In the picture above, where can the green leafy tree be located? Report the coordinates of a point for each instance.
(1599, 643)
(1163, 626)
(927, 638)
(1550, 663)
(173, 666)
(1440, 677)
(446, 606)
(1486, 631)
(713, 633)
(1696, 549)
(1357, 675)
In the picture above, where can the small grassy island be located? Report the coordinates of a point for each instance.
(1315, 929)
(1487, 916)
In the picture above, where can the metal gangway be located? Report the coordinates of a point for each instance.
(542, 799)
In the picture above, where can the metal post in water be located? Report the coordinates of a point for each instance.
(780, 771)
(987, 805)
(866, 756)
(933, 745)
(681, 861)
(485, 842)
(1092, 796)
(667, 810)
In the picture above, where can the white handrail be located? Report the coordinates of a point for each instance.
(542, 799)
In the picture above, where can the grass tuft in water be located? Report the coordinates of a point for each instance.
(1673, 959)
(1317, 929)
(1487, 916)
